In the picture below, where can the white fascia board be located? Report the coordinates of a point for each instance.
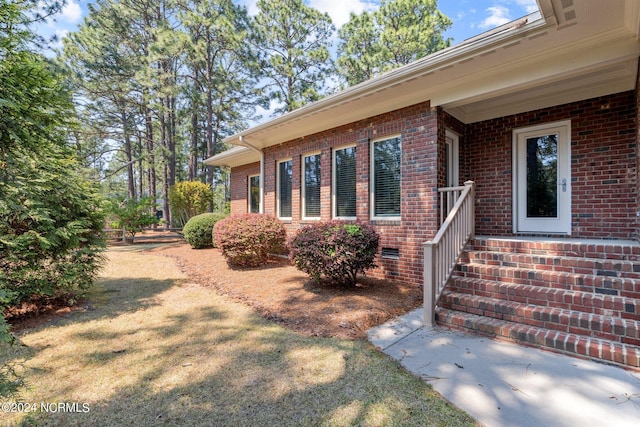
(235, 156)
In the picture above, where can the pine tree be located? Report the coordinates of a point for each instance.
(398, 33)
(292, 41)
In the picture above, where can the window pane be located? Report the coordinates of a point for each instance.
(254, 194)
(542, 177)
(386, 163)
(312, 186)
(345, 182)
(284, 190)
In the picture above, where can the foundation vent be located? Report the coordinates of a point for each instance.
(391, 253)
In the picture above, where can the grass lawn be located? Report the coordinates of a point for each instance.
(154, 349)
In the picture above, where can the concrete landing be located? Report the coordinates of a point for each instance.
(503, 384)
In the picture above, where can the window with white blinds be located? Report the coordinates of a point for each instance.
(344, 183)
(254, 194)
(285, 174)
(311, 186)
(386, 156)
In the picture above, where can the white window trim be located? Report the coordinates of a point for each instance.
(249, 192)
(286, 218)
(304, 186)
(334, 205)
(455, 156)
(372, 196)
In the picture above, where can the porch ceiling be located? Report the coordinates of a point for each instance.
(543, 91)
(571, 50)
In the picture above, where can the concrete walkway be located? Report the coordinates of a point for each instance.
(503, 384)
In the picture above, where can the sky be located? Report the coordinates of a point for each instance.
(470, 17)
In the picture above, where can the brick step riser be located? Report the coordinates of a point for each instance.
(596, 251)
(606, 327)
(587, 266)
(599, 284)
(563, 342)
(585, 302)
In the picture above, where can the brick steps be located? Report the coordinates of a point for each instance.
(607, 249)
(563, 264)
(583, 301)
(585, 282)
(567, 320)
(574, 297)
(563, 342)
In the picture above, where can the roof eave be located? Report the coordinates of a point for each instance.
(235, 156)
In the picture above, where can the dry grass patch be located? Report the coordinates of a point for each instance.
(153, 348)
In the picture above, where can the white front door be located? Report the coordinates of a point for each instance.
(542, 178)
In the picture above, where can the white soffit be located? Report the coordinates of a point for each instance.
(611, 78)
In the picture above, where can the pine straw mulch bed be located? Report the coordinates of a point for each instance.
(287, 296)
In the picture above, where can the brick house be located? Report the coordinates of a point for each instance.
(541, 115)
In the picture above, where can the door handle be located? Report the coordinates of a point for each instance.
(564, 185)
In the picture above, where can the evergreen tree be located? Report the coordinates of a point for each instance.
(220, 88)
(103, 63)
(398, 33)
(292, 41)
(359, 49)
(50, 220)
(162, 83)
(50, 216)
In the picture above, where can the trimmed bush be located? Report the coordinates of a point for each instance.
(198, 231)
(334, 250)
(247, 240)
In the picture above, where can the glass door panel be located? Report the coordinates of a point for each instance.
(542, 176)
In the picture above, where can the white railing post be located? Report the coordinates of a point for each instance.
(442, 253)
(429, 284)
(472, 207)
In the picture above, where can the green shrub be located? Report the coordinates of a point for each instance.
(130, 214)
(188, 199)
(247, 240)
(334, 250)
(198, 231)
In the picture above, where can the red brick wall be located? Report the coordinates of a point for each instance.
(417, 126)
(240, 187)
(603, 166)
(604, 187)
(637, 123)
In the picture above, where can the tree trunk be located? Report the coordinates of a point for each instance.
(193, 147)
(140, 166)
(131, 183)
(171, 139)
(210, 147)
(165, 165)
(166, 208)
(151, 160)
